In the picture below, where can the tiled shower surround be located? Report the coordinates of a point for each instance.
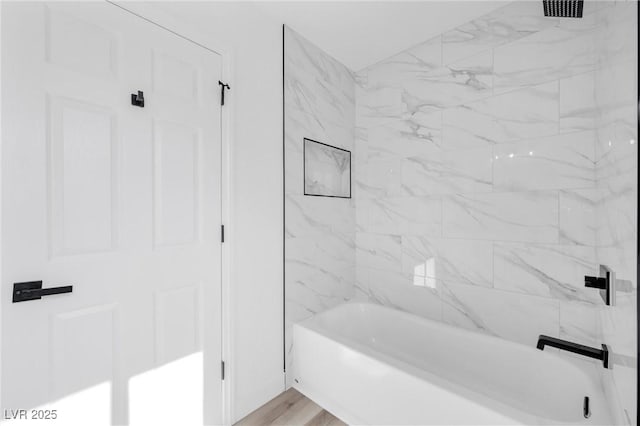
(616, 177)
(319, 231)
(495, 166)
(477, 165)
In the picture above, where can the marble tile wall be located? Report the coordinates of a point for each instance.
(494, 166)
(484, 192)
(616, 176)
(319, 231)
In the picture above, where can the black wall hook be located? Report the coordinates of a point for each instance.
(224, 86)
(138, 100)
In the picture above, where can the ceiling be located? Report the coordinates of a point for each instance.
(361, 33)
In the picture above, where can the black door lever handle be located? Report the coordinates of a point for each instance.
(32, 290)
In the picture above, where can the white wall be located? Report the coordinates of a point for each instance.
(255, 44)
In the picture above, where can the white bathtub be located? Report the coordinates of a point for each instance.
(368, 364)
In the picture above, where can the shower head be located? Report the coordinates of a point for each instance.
(563, 8)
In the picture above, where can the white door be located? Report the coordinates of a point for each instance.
(120, 201)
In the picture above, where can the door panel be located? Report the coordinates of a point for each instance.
(177, 323)
(77, 336)
(119, 201)
(176, 184)
(175, 77)
(83, 178)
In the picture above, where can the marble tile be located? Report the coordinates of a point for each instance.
(320, 251)
(512, 316)
(555, 52)
(616, 118)
(294, 142)
(617, 23)
(314, 293)
(616, 171)
(448, 172)
(578, 215)
(363, 206)
(360, 286)
(558, 162)
(315, 216)
(507, 24)
(304, 56)
(406, 215)
(317, 100)
(522, 114)
(612, 90)
(379, 105)
(457, 83)
(616, 150)
(329, 254)
(392, 289)
(617, 218)
(592, 6)
(407, 65)
(325, 113)
(619, 325)
(384, 178)
(553, 271)
(424, 127)
(384, 142)
(513, 216)
(625, 377)
(418, 134)
(384, 216)
(550, 98)
(449, 261)
(300, 125)
(577, 103)
(421, 175)
(381, 252)
(319, 275)
(580, 323)
(423, 215)
(359, 158)
(616, 153)
(320, 268)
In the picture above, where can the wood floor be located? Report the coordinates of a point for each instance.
(290, 408)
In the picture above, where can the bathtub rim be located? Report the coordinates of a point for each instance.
(408, 369)
(310, 323)
(445, 384)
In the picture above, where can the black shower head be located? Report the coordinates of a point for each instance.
(563, 8)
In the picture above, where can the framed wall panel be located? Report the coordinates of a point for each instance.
(327, 170)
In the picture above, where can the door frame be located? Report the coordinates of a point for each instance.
(167, 22)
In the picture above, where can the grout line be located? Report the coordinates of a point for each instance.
(559, 226)
(442, 64)
(442, 216)
(493, 264)
(559, 103)
(487, 240)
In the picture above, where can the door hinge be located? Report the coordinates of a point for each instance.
(222, 370)
(224, 86)
(222, 233)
